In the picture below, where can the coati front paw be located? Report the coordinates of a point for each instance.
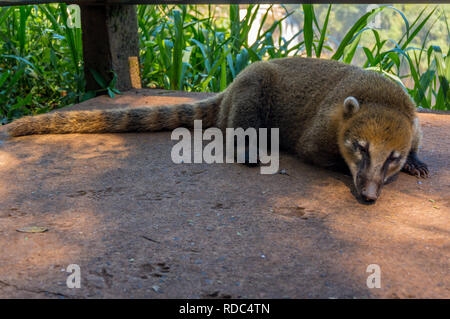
(415, 167)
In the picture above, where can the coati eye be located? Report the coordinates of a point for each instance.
(394, 156)
(360, 150)
(361, 146)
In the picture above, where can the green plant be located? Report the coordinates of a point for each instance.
(209, 53)
(40, 60)
(193, 48)
(427, 67)
(109, 88)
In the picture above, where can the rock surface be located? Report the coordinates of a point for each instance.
(140, 226)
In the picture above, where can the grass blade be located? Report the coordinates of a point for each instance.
(308, 32)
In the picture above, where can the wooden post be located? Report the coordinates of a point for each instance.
(110, 37)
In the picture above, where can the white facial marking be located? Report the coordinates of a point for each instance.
(396, 154)
(348, 143)
(362, 143)
(353, 170)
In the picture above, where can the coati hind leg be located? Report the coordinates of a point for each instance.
(250, 108)
(246, 118)
(414, 166)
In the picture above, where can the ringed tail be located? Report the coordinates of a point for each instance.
(139, 119)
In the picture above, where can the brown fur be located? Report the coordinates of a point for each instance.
(302, 97)
(137, 119)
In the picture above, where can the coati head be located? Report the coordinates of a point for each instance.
(374, 141)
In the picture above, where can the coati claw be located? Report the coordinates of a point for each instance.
(415, 167)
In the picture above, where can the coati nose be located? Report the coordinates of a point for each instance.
(370, 192)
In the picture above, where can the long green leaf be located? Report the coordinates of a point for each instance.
(358, 26)
(323, 33)
(308, 28)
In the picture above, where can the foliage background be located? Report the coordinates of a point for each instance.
(202, 48)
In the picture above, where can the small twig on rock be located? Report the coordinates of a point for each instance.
(152, 240)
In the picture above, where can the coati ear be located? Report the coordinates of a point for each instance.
(351, 106)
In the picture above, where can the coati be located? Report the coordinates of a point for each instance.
(328, 113)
